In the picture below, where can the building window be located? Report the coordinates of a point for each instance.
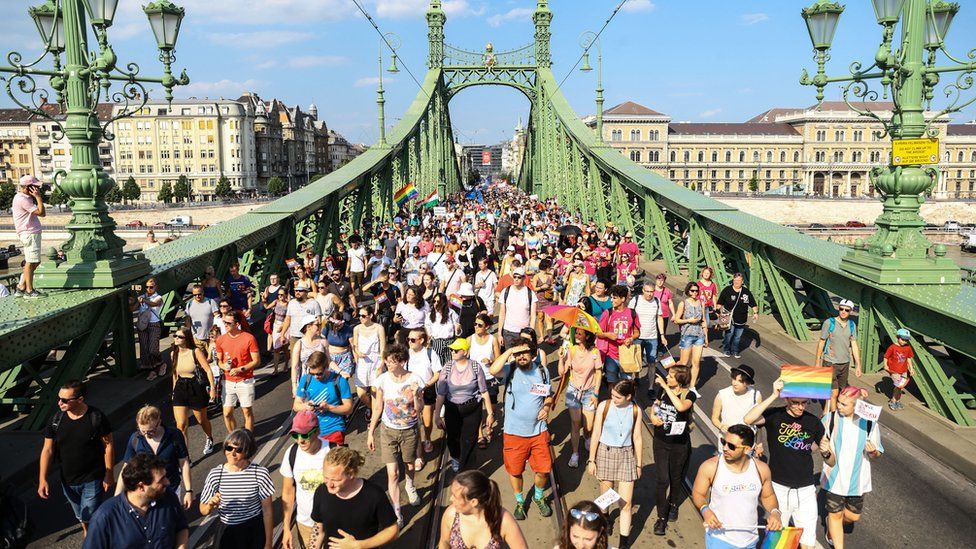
(838, 156)
(858, 135)
(796, 156)
(962, 157)
(635, 135)
(728, 156)
(687, 156)
(635, 156)
(755, 156)
(616, 135)
(839, 135)
(821, 135)
(742, 156)
(714, 156)
(782, 157)
(654, 156)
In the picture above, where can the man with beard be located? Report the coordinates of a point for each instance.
(145, 515)
(526, 431)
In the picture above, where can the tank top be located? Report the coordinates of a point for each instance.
(186, 363)
(735, 407)
(693, 311)
(618, 427)
(457, 541)
(734, 500)
(369, 345)
(305, 351)
(481, 351)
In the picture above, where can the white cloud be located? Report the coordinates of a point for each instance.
(511, 15)
(369, 81)
(753, 18)
(259, 39)
(268, 11)
(709, 113)
(396, 9)
(224, 88)
(634, 6)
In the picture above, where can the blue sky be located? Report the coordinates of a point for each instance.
(711, 60)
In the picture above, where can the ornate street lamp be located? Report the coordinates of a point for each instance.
(393, 42)
(588, 39)
(95, 257)
(898, 253)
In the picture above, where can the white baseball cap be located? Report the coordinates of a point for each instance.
(846, 303)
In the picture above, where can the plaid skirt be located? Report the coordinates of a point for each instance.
(616, 463)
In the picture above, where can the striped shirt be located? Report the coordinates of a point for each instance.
(241, 493)
(851, 474)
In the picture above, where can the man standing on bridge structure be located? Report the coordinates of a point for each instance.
(27, 207)
(838, 347)
(526, 430)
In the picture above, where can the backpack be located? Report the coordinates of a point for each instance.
(832, 325)
(96, 421)
(269, 322)
(505, 296)
(335, 384)
(16, 527)
(833, 417)
(511, 374)
(633, 428)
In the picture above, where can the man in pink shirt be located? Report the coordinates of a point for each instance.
(629, 247)
(28, 207)
(620, 325)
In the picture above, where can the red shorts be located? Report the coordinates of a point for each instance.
(516, 451)
(336, 438)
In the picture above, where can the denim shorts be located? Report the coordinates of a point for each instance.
(84, 498)
(576, 399)
(688, 341)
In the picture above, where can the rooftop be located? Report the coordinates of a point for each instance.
(629, 108)
(731, 128)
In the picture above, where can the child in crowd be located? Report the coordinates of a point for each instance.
(898, 364)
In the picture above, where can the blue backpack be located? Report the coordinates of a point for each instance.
(832, 325)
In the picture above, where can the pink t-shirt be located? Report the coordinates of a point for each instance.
(664, 295)
(426, 246)
(25, 220)
(628, 248)
(622, 324)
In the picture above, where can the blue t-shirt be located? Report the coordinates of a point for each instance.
(117, 525)
(340, 337)
(237, 291)
(315, 391)
(172, 448)
(521, 407)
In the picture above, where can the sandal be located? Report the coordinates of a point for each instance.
(482, 443)
(428, 447)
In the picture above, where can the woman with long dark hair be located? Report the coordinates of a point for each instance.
(190, 368)
(476, 518)
(410, 313)
(692, 318)
(586, 527)
(442, 327)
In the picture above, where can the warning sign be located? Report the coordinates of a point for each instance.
(908, 152)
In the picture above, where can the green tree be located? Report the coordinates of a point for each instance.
(182, 189)
(165, 193)
(7, 192)
(754, 184)
(276, 186)
(131, 190)
(114, 196)
(223, 190)
(58, 197)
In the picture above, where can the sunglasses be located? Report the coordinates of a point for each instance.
(232, 449)
(797, 402)
(318, 373)
(518, 276)
(415, 339)
(67, 400)
(731, 446)
(846, 309)
(692, 291)
(578, 514)
(178, 336)
(480, 325)
(363, 315)
(197, 295)
(303, 436)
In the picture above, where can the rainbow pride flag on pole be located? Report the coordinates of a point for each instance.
(787, 538)
(806, 382)
(406, 194)
(432, 200)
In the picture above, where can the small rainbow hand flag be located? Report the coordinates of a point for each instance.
(806, 382)
(787, 538)
(406, 194)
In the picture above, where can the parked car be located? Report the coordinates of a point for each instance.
(180, 221)
(135, 223)
(817, 226)
(951, 225)
(160, 225)
(854, 223)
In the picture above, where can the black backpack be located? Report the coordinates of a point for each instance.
(16, 527)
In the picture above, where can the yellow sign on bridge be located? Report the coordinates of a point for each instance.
(908, 152)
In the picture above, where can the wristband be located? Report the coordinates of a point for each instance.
(775, 510)
(703, 508)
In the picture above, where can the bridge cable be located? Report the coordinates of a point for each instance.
(392, 49)
(587, 49)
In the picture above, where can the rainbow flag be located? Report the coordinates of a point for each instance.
(787, 538)
(432, 200)
(406, 194)
(806, 382)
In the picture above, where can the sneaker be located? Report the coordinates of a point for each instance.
(34, 294)
(152, 375)
(399, 519)
(892, 405)
(574, 461)
(412, 496)
(660, 527)
(208, 447)
(519, 512)
(544, 508)
(673, 513)
(18, 292)
(726, 354)
(455, 465)
(624, 542)
(736, 355)
(900, 405)
(830, 540)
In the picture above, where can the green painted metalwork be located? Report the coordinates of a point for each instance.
(767, 276)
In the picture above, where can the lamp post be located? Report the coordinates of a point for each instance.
(393, 41)
(898, 253)
(587, 39)
(95, 257)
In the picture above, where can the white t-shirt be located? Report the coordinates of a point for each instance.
(412, 316)
(453, 280)
(399, 400)
(308, 477)
(517, 308)
(443, 328)
(425, 363)
(647, 312)
(298, 310)
(357, 260)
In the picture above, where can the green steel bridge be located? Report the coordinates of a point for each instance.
(793, 275)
